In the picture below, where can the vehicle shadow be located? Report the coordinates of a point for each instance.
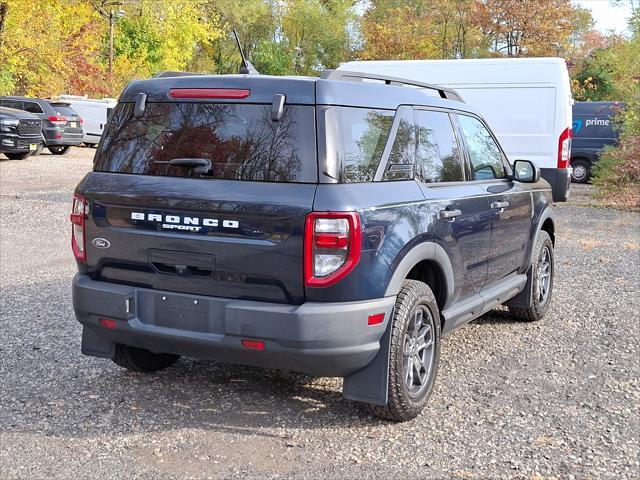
(54, 389)
(496, 317)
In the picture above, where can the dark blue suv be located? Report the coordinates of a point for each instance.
(336, 226)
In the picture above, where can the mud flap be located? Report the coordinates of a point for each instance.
(370, 385)
(96, 346)
(523, 299)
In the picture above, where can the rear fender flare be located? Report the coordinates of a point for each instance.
(424, 251)
(546, 214)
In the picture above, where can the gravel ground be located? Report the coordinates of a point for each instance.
(555, 399)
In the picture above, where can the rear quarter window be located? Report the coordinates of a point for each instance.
(240, 140)
(360, 138)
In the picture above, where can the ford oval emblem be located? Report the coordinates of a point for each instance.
(101, 243)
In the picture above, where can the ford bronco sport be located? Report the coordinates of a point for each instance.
(337, 226)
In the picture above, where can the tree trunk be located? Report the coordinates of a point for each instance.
(4, 8)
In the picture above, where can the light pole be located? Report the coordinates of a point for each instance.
(112, 19)
(108, 9)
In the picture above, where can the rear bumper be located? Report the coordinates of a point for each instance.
(50, 139)
(560, 181)
(322, 339)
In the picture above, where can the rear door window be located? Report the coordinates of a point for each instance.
(239, 141)
(486, 157)
(438, 157)
(32, 107)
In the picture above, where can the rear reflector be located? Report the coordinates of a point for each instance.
(253, 344)
(376, 319)
(209, 93)
(107, 323)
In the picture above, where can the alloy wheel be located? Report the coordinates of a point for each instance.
(418, 351)
(544, 275)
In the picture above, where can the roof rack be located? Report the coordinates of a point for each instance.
(399, 82)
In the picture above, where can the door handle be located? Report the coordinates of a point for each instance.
(450, 214)
(497, 205)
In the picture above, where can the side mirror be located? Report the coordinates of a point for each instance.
(525, 171)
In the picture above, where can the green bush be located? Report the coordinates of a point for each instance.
(617, 173)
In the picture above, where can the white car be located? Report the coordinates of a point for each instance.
(526, 101)
(94, 114)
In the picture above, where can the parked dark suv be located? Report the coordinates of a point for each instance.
(61, 125)
(328, 226)
(20, 133)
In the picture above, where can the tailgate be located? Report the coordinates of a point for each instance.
(210, 237)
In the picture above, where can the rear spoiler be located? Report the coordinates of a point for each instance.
(348, 76)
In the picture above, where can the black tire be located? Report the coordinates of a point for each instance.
(403, 404)
(540, 301)
(59, 149)
(91, 145)
(17, 156)
(143, 361)
(581, 171)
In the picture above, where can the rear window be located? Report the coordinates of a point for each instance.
(64, 110)
(240, 141)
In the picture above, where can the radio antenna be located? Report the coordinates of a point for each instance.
(246, 68)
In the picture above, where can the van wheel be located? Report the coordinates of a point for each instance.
(415, 353)
(59, 150)
(143, 361)
(581, 171)
(542, 269)
(17, 156)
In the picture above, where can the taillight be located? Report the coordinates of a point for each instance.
(332, 244)
(209, 93)
(564, 148)
(57, 120)
(78, 217)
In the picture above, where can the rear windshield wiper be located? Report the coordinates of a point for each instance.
(200, 165)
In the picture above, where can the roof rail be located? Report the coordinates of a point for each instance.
(399, 82)
(169, 73)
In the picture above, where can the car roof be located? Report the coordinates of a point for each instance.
(17, 97)
(298, 90)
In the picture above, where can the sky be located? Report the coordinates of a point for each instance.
(607, 16)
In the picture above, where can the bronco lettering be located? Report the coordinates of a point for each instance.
(176, 222)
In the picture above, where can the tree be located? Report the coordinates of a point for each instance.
(49, 47)
(532, 27)
(157, 35)
(257, 24)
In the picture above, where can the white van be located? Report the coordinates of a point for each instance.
(526, 101)
(94, 114)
